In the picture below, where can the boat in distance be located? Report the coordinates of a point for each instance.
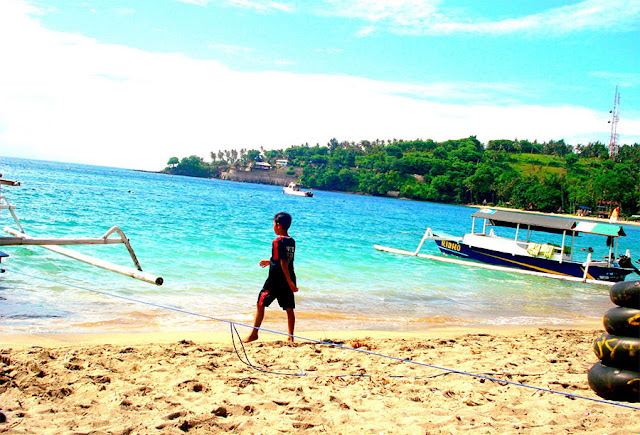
(483, 248)
(294, 189)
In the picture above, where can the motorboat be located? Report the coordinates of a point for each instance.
(518, 252)
(295, 190)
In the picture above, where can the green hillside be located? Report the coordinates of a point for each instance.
(550, 176)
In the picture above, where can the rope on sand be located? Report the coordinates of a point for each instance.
(368, 352)
(234, 334)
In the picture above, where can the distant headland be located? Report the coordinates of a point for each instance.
(549, 177)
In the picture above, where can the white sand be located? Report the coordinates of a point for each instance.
(195, 383)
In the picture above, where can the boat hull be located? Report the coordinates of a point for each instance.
(289, 191)
(601, 272)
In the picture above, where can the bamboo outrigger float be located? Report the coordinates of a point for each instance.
(20, 238)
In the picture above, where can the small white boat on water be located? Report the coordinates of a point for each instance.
(294, 189)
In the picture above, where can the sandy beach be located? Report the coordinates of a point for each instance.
(196, 383)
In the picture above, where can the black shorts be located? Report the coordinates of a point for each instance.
(284, 297)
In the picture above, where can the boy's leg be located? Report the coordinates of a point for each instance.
(291, 322)
(256, 324)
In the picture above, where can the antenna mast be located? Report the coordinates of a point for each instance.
(613, 141)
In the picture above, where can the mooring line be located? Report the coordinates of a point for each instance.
(368, 352)
(234, 333)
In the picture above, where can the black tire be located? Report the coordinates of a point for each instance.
(619, 352)
(614, 384)
(622, 321)
(626, 294)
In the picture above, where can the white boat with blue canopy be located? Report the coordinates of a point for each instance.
(482, 247)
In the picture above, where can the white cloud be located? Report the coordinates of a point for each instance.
(258, 5)
(625, 80)
(434, 17)
(392, 11)
(262, 5)
(70, 98)
(366, 31)
(428, 17)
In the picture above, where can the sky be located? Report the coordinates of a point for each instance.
(130, 84)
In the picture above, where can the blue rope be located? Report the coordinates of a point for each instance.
(234, 333)
(368, 352)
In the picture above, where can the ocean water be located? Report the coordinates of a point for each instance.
(206, 237)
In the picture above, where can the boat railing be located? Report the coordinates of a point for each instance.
(586, 267)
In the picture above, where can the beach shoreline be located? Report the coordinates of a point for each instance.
(22, 340)
(273, 330)
(439, 381)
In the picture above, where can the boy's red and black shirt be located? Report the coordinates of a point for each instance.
(283, 247)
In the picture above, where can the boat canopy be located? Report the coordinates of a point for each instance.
(601, 229)
(502, 218)
(549, 224)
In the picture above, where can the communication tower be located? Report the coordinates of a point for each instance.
(613, 141)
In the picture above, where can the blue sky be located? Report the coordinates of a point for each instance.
(132, 83)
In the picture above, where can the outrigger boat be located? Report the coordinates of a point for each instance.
(294, 189)
(520, 254)
(20, 237)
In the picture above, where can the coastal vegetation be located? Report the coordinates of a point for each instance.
(550, 176)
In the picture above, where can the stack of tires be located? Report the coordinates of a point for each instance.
(616, 376)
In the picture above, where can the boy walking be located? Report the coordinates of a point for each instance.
(281, 283)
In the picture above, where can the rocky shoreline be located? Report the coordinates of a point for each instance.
(276, 177)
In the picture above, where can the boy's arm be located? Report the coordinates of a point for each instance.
(285, 270)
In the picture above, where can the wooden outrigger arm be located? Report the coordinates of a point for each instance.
(20, 238)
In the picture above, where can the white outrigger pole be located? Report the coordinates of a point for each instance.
(54, 244)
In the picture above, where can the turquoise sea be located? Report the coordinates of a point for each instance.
(206, 237)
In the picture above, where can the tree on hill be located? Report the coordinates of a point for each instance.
(173, 161)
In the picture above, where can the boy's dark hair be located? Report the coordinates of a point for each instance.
(284, 219)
